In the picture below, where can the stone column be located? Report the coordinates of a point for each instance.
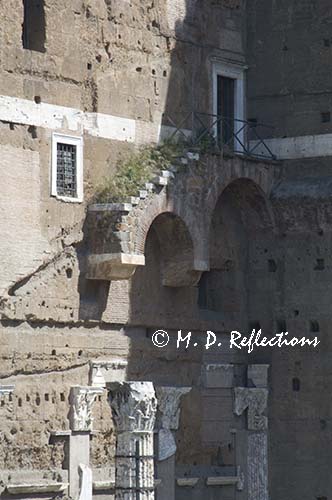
(82, 400)
(134, 407)
(168, 422)
(254, 401)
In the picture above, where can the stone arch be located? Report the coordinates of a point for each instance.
(241, 213)
(164, 288)
(176, 250)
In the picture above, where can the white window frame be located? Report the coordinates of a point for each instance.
(237, 73)
(72, 141)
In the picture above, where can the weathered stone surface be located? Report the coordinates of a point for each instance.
(257, 467)
(218, 375)
(255, 401)
(82, 400)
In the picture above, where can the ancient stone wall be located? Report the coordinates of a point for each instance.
(289, 49)
(106, 72)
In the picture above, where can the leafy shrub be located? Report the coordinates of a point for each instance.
(133, 172)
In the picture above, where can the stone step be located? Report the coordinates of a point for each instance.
(167, 174)
(143, 194)
(160, 181)
(110, 207)
(134, 200)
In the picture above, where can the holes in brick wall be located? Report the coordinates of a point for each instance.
(69, 273)
(62, 396)
(47, 397)
(37, 99)
(314, 326)
(296, 384)
(33, 131)
(272, 265)
(320, 265)
(281, 325)
(89, 66)
(19, 402)
(325, 116)
(139, 69)
(53, 353)
(164, 73)
(80, 352)
(38, 400)
(296, 312)
(153, 72)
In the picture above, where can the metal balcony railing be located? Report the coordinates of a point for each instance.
(216, 133)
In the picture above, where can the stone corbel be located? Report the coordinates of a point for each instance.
(255, 401)
(168, 418)
(113, 266)
(82, 400)
(179, 274)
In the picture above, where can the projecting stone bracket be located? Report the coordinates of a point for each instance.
(110, 266)
(179, 274)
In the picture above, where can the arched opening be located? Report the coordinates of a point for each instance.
(164, 286)
(240, 217)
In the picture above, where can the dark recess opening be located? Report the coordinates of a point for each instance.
(33, 27)
(225, 108)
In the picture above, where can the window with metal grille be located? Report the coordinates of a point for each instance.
(66, 174)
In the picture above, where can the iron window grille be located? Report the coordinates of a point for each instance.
(66, 175)
(67, 167)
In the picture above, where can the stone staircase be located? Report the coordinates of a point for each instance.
(113, 252)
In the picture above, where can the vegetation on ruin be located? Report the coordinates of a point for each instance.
(135, 170)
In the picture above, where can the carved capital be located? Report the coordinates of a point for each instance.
(168, 418)
(134, 406)
(82, 400)
(255, 401)
(169, 406)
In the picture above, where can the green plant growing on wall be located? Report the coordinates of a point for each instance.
(134, 171)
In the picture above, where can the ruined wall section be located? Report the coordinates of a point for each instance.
(290, 290)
